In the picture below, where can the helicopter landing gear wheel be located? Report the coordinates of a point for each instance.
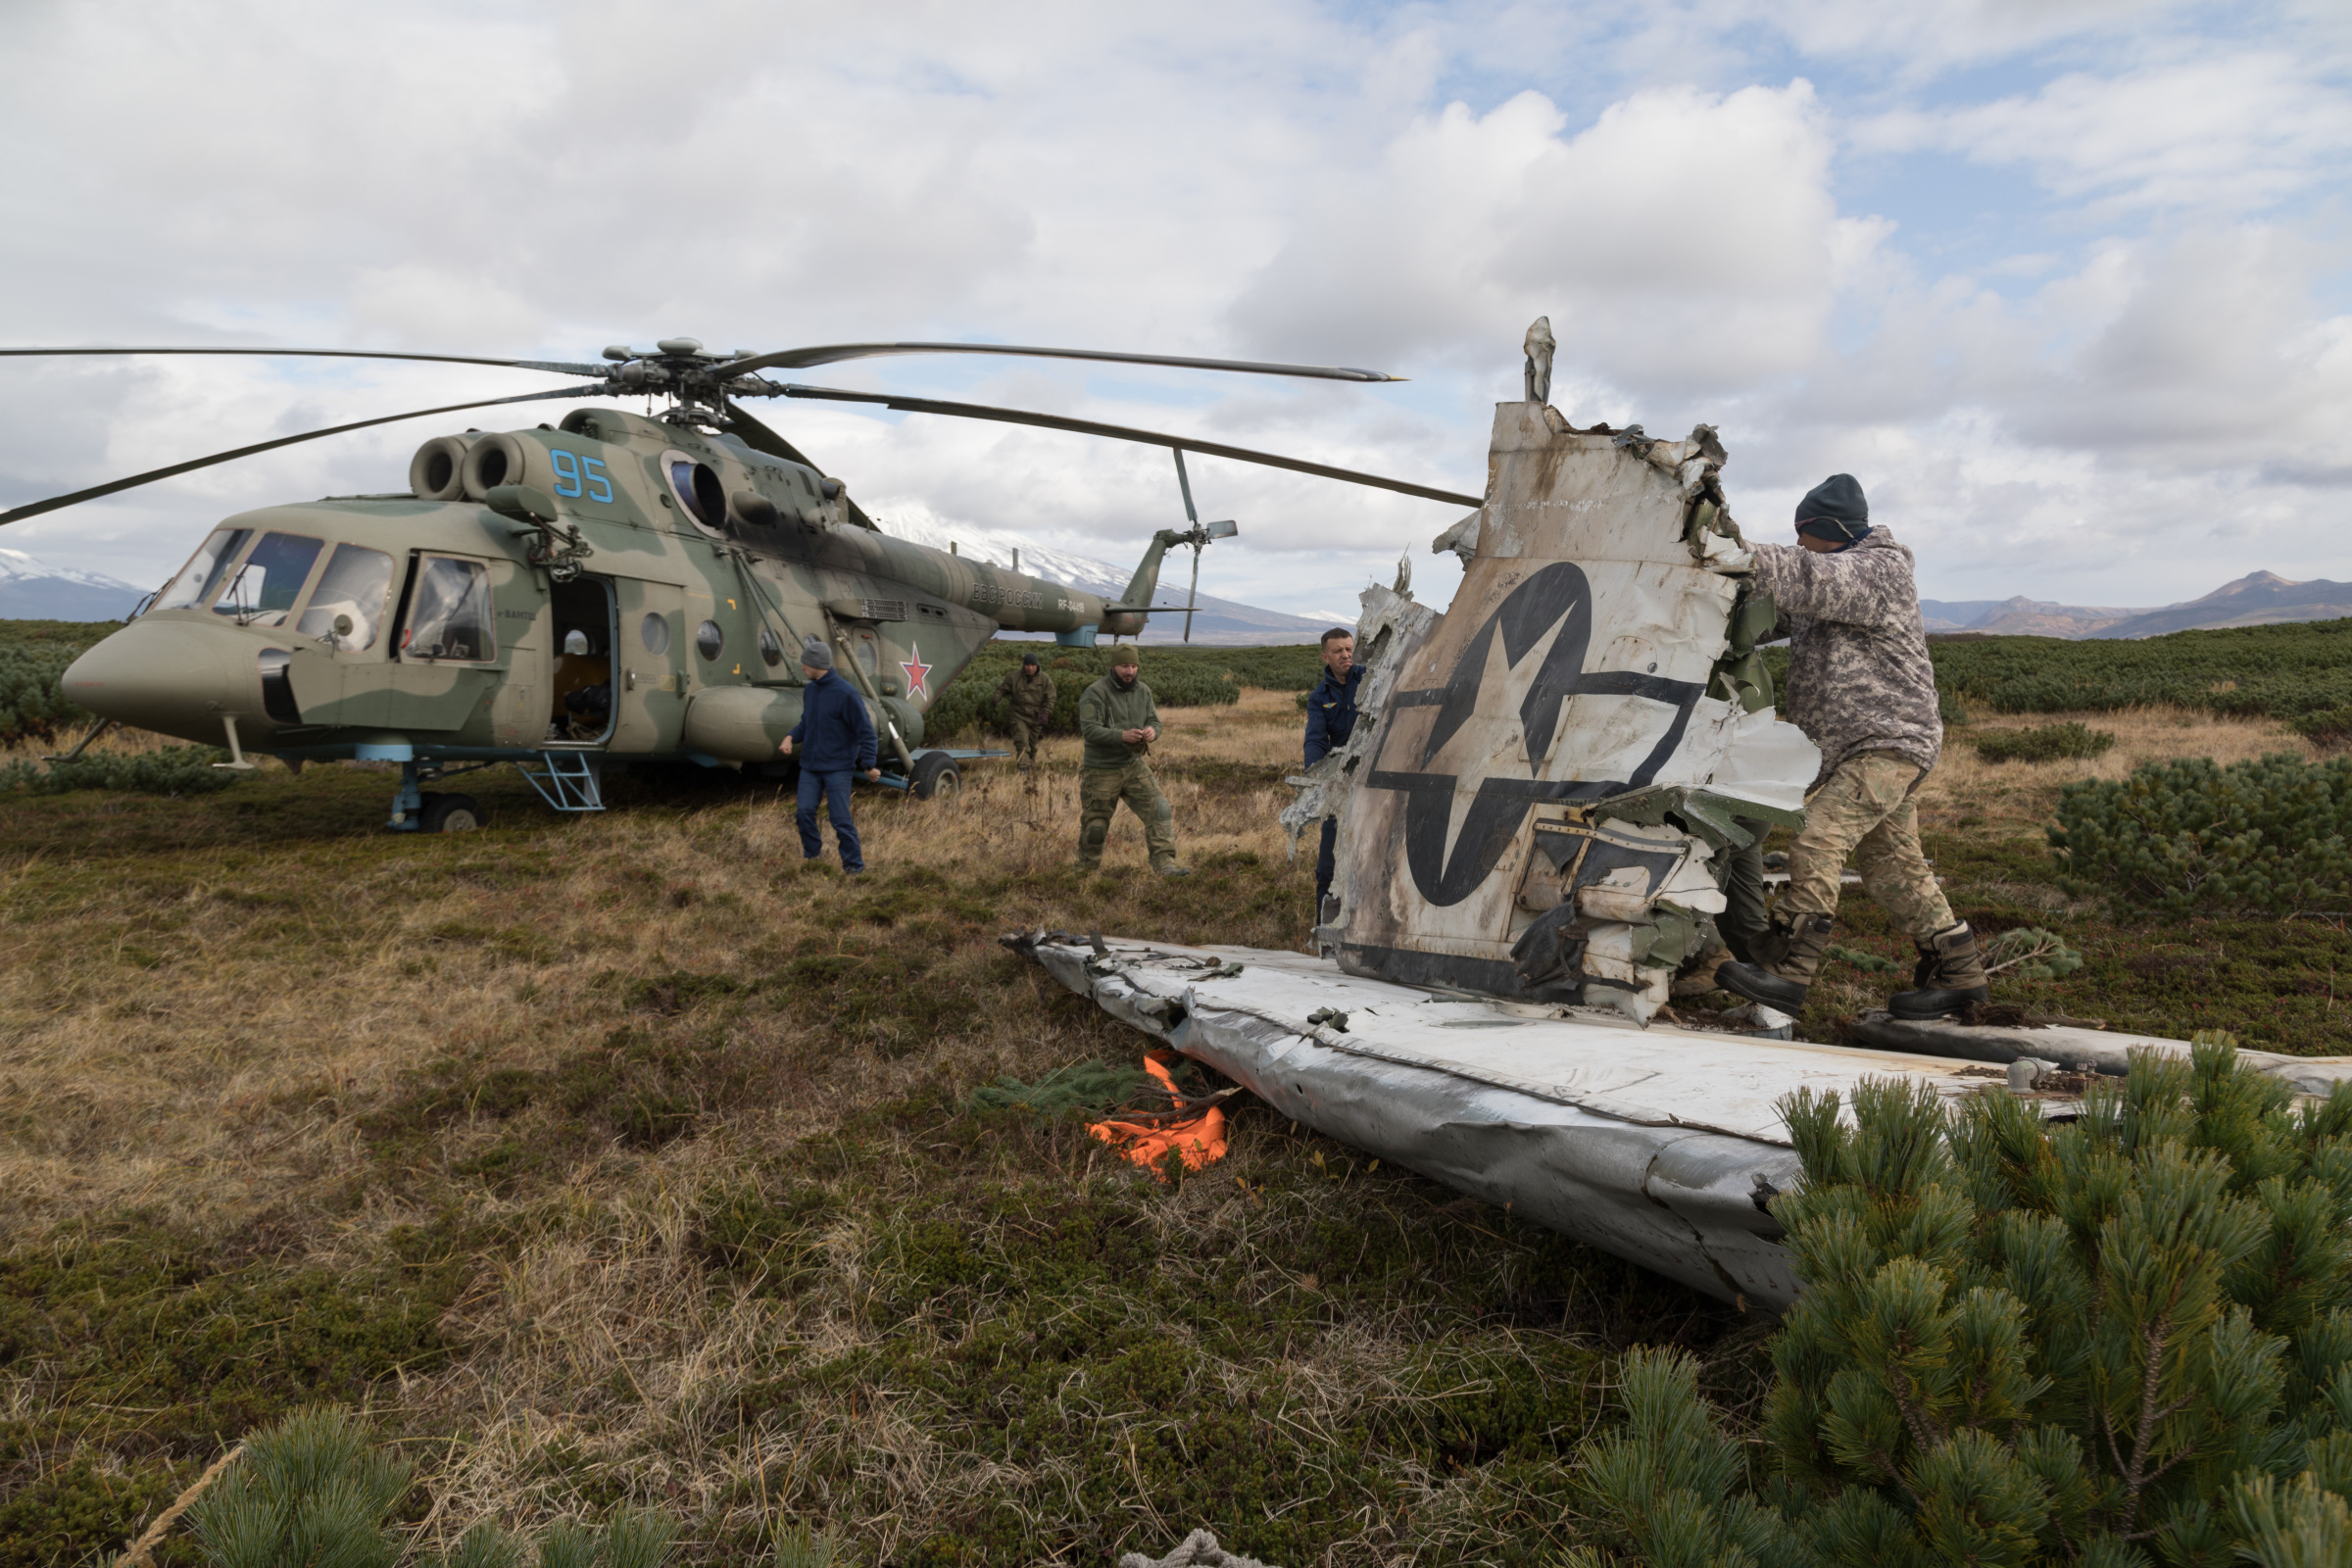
(450, 814)
(936, 775)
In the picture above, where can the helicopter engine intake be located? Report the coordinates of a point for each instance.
(437, 473)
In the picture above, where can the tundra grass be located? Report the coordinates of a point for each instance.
(629, 1159)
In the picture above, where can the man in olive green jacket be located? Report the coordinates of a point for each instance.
(1119, 722)
(1027, 694)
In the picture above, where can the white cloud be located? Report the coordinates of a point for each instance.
(2150, 362)
(2238, 131)
(1684, 240)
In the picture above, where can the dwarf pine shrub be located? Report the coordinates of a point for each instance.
(313, 1490)
(2043, 743)
(33, 653)
(2329, 727)
(174, 771)
(2267, 837)
(2029, 952)
(1179, 677)
(2120, 1340)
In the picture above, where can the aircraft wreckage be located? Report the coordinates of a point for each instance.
(1534, 810)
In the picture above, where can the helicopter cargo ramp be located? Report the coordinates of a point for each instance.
(1661, 1146)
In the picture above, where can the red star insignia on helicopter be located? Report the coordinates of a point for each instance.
(917, 671)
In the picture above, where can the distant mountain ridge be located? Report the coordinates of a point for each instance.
(2258, 598)
(34, 590)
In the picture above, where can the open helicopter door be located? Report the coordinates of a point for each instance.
(649, 699)
(447, 653)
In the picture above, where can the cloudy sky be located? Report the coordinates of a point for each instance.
(2066, 283)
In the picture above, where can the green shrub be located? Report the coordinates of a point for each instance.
(315, 1491)
(2031, 952)
(2328, 726)
(2115, 1341)
(2042, 743)
(174, 771)
(1179, 677)
(1085, 1088)
(2256, 671)
(2269, 837)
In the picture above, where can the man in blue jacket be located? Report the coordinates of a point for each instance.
(834, 739)
(1330, 720)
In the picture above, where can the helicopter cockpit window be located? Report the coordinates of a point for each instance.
(265, 587)
(449, 611)
(355, 584)
(204, 571)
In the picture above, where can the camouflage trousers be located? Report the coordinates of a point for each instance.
(1099, 792)
(1025, 737)
(1864, 810)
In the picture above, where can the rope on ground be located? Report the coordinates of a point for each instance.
(1199, 1550)
(142, 1550)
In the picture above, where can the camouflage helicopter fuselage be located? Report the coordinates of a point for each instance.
(431, 627)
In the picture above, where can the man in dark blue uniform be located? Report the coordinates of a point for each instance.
(1330, 720)
(834, 739)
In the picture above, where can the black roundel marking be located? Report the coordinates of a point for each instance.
(1557, 595)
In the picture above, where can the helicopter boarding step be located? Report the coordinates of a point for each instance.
(567, 780)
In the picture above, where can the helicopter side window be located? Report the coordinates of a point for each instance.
(355, 584)
(698, 489)
(449, 611)
(204, 571)
(265, 587)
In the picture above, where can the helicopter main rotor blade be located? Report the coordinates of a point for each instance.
(831, 353)
(554, 367)
(34, 508)
(1121, 432)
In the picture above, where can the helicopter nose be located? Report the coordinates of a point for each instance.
(169, 675)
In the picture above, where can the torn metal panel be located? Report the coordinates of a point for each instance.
(1658, 1146)
(1592, 654)
(2104, 1051)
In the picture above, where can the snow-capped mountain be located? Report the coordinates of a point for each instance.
(1216, 621)
(34, 590)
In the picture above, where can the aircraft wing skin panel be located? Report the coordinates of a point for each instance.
(1662, 1145)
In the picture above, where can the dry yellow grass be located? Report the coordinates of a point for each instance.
(2025, 794)
(210, 1083)
(256, 1021)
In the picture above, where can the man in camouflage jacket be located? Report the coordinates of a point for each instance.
(1862, 689)
(1027, 694)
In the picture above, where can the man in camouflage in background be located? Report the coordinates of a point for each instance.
(1119, 722)
(1862, 688)
(1027, 694)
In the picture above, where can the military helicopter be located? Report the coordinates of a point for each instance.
(615, 588)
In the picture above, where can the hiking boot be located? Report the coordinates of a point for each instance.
(1950, 976)
(1792, 954)
(1173, 869)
